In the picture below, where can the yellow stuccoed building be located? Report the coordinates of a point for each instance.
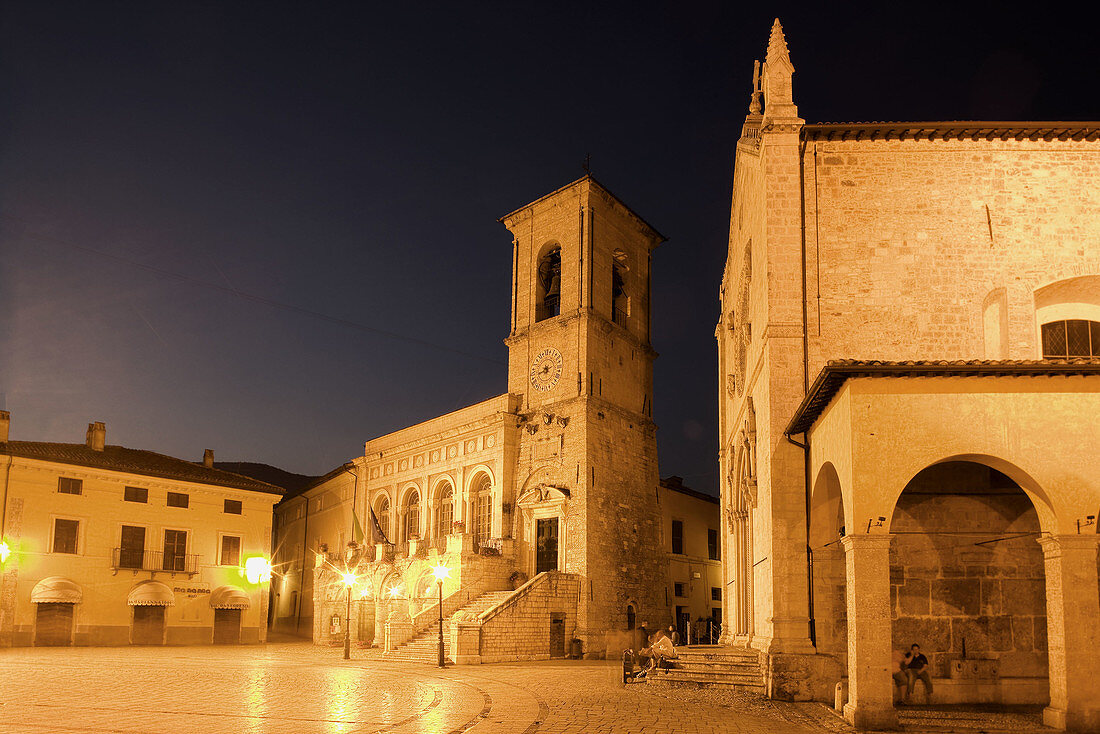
(107, 545)
(908, 349)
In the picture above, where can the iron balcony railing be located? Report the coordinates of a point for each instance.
(138, 559)
(618, 315)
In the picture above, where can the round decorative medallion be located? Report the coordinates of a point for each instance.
(546, 369)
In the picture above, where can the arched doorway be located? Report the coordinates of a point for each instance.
(967, 584)
(827, 527)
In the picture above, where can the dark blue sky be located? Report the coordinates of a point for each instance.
(170, 173)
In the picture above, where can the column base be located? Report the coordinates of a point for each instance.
(1087, 720)
(865, 717)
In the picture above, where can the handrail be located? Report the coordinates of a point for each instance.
(141, 559)
(467, 590)
(517, 595)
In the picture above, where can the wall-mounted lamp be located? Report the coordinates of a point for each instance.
(873, 523)
(1089, 520)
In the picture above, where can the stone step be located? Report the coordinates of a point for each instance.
(669, 683)
(712, 676)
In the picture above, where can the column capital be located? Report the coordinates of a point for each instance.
(874, 541)
(1054, 545)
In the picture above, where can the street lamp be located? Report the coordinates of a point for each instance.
(349, 581)
(440, 572)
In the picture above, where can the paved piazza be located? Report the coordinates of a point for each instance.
(298, 688)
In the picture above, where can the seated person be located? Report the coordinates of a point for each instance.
(917, 669)
(900, 676)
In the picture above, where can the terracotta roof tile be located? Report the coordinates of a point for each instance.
(135, 461)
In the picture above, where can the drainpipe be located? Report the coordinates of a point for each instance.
(805, 390)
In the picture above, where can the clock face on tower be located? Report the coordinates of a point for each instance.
(546, 369)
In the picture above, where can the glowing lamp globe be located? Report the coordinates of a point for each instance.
(348, 579)
(440, 572)
(257, 569)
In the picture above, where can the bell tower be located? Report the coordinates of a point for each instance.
(579, 355)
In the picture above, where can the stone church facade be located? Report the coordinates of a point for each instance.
(541, 502)
(908, 349)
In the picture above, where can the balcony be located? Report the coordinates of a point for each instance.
(619, 316)
(136, 559)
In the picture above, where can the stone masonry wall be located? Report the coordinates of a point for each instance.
(951, 595)
(521, 630)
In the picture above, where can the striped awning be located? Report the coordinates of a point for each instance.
(229, 597)
(151, 594)
(56, 590)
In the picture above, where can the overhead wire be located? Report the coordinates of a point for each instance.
(245, 295)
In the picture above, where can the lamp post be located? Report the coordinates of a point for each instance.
(440, 572)
(349, 581)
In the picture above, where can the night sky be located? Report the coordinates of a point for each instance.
(215, 221)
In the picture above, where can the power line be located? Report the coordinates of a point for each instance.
(244, 295)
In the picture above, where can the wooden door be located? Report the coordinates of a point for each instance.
(557, 637)
(148, 625)
(53, 624)
(227, 626)
(546, 544)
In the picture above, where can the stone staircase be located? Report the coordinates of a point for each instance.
(424, 648)
(712, 665)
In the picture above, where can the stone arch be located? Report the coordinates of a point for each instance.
(383, 510)
(483, 497)
(827, 527)
(1040, 499)
(442, 498)
(967, 577)
(547, 279)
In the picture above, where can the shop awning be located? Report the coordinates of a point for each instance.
(229, 597)
(151, 593)
(56, 590)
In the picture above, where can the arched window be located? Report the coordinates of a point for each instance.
(483, 508)
(1071, 338)
(383, 515)
(548, 302)
(620, 301)
(412, 516)
(444, 510)
(631, 616)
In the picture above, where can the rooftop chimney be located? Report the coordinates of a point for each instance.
(96, 438)
(208, 458)
(5, 424)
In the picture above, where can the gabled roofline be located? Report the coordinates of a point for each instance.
(588, 177)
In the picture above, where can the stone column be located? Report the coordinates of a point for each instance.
(870, 688)
(1073, 631)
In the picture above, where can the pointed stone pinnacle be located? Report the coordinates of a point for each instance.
(777, 44)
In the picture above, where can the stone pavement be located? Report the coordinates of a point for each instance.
(298, 688)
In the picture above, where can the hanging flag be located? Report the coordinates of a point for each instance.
(377, 536)
(356, 529)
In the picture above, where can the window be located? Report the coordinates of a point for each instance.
(444, 513)
(67, 485)
(620, 302)
(131, 551)
(175, 549)
(715, 593)
(631, 617)
(1071, 338)
(712, 544)
(383, 516)
(677, 536)
(412, 516)
(678, 589)
(232, 507)
(135, 494)
(64, 535)
(548, 303)
(231, 550)
(177, 499)
(483, 517)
